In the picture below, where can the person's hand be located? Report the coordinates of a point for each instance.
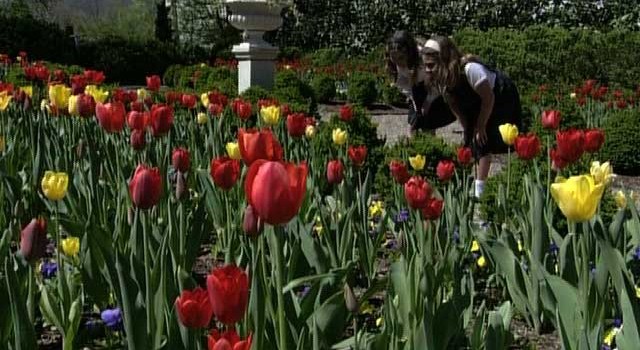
(481, 135)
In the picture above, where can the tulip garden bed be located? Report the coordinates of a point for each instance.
(162, 219)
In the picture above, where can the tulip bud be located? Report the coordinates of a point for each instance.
(33, 240)
(350, 300)
(252, 225)
(402, 241)
(138, 139)
(181, 186)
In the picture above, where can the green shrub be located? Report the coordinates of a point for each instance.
(289, 88)
(362, 89)
(432, 147)
(256, 93)
(620, 148)
(392, 95)
(324, 87)
(326, 57)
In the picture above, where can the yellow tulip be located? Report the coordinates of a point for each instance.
(310, 131)
(602, 173)
(417, 162)
(54, 185)
(73, 105)
(379, 322)
(509, 133)
(339, 136)
(204, 98)
(233, 150)
(27, 90)
(481, 262)
(202, 118)
(1, 144)
(98, 94)
(142, 94)
(59, 96)
(270, 115)
(475, 246)
(71, 246)
(637, 292)
(578, 197)
(621, 200)
(5, 98)
(609, 335)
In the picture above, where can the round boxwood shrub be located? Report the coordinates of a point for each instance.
(620, 148)
(326, 57)
(289, 88)
(392, 95)
(324, 87)
(362, 89)
(432, 147)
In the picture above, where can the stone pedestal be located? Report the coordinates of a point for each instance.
(256, 58)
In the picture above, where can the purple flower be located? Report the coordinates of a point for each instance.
(401, 216)
(112, 318)
(303, 293)
(617, 323)
(636, 254)
(553, 248)
(456, 235)
(606, 347)
(48, 269)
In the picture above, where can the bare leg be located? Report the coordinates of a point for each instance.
(482, 172)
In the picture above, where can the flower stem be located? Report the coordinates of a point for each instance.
(147, 279)
(276, 251)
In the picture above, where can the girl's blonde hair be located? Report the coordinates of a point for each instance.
(450, 62)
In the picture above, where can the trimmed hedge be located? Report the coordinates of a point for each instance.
(620, 148)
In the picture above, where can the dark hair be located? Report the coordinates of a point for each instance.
(402, 40)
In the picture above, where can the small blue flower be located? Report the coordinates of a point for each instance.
(305, 291)
(401, 216)
(617, 322)
(605, 347)
(636, 254)
(112, 318)
(456, 236)
(553, 248)
(49, 269)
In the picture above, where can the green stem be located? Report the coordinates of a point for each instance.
(355, 332)
(276, 251)
(147, 277)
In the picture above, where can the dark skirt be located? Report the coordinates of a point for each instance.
(438, 115)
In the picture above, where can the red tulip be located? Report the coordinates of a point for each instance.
(570, 144)
(138, 139)
(86, 105)
(346, 113)
(124, 96)
(433, 209)
(527, 147)
(310, 121)
(228, 289)
(33, 240)
(138, 120)
(111, 116)
(78, 84)
(256, 145)
(357, 154)
(251, 224)
(94, 77)
(161, 119)
(296, 124)
(285, 110)
(335, 171)
(557, 161)
(551, 119)
(399, 171)
(189, 101)
(228, 341)
(153, 83)
(445, 170)
(241, 108)
(267, 102)
(218, 98)
(417, 192)
(465, 156)
(593, 140)
(215, 109)
(194, 308)
(225, 172)
(180, 160)
(276, 189)
(145, 187)
(172, 97)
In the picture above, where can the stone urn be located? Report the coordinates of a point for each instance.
(256, 58)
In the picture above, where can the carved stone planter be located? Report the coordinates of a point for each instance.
(256, 57)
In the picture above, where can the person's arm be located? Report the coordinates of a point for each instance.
(487, 99)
